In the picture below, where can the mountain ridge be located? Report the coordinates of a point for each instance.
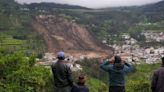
(48, 6)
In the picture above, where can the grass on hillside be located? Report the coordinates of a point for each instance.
(96, 85)
(140, 80)
(8, 42)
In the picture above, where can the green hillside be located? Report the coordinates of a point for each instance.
(101, 22)
(16, 33)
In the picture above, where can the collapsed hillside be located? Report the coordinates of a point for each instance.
(61, 34)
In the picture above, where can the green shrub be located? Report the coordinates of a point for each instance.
(138, 86)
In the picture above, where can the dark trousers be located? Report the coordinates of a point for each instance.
(63, 89)
(116, 89)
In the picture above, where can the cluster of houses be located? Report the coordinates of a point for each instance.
(134, 53)
(154, 36)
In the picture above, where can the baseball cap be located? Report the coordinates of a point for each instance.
(61, 54)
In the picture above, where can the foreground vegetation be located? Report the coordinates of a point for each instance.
(140, 80)
(19, 73)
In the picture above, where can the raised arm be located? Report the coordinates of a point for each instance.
(106, 66)
(128, 68)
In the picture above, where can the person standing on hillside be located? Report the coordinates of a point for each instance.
(62, 74)
(117, 71)
(157, 84)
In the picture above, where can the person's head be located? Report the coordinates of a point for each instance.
(61, 55)
(81, 79)
(117, 59)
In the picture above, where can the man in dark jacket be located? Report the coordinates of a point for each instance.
(117, 72)
(62, 74)
(80, 86)
(158, 79)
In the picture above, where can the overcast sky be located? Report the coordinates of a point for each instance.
(96, 3)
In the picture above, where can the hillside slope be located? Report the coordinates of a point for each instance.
(61, 34)
(154, 12)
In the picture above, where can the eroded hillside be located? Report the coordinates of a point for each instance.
(61, 34)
